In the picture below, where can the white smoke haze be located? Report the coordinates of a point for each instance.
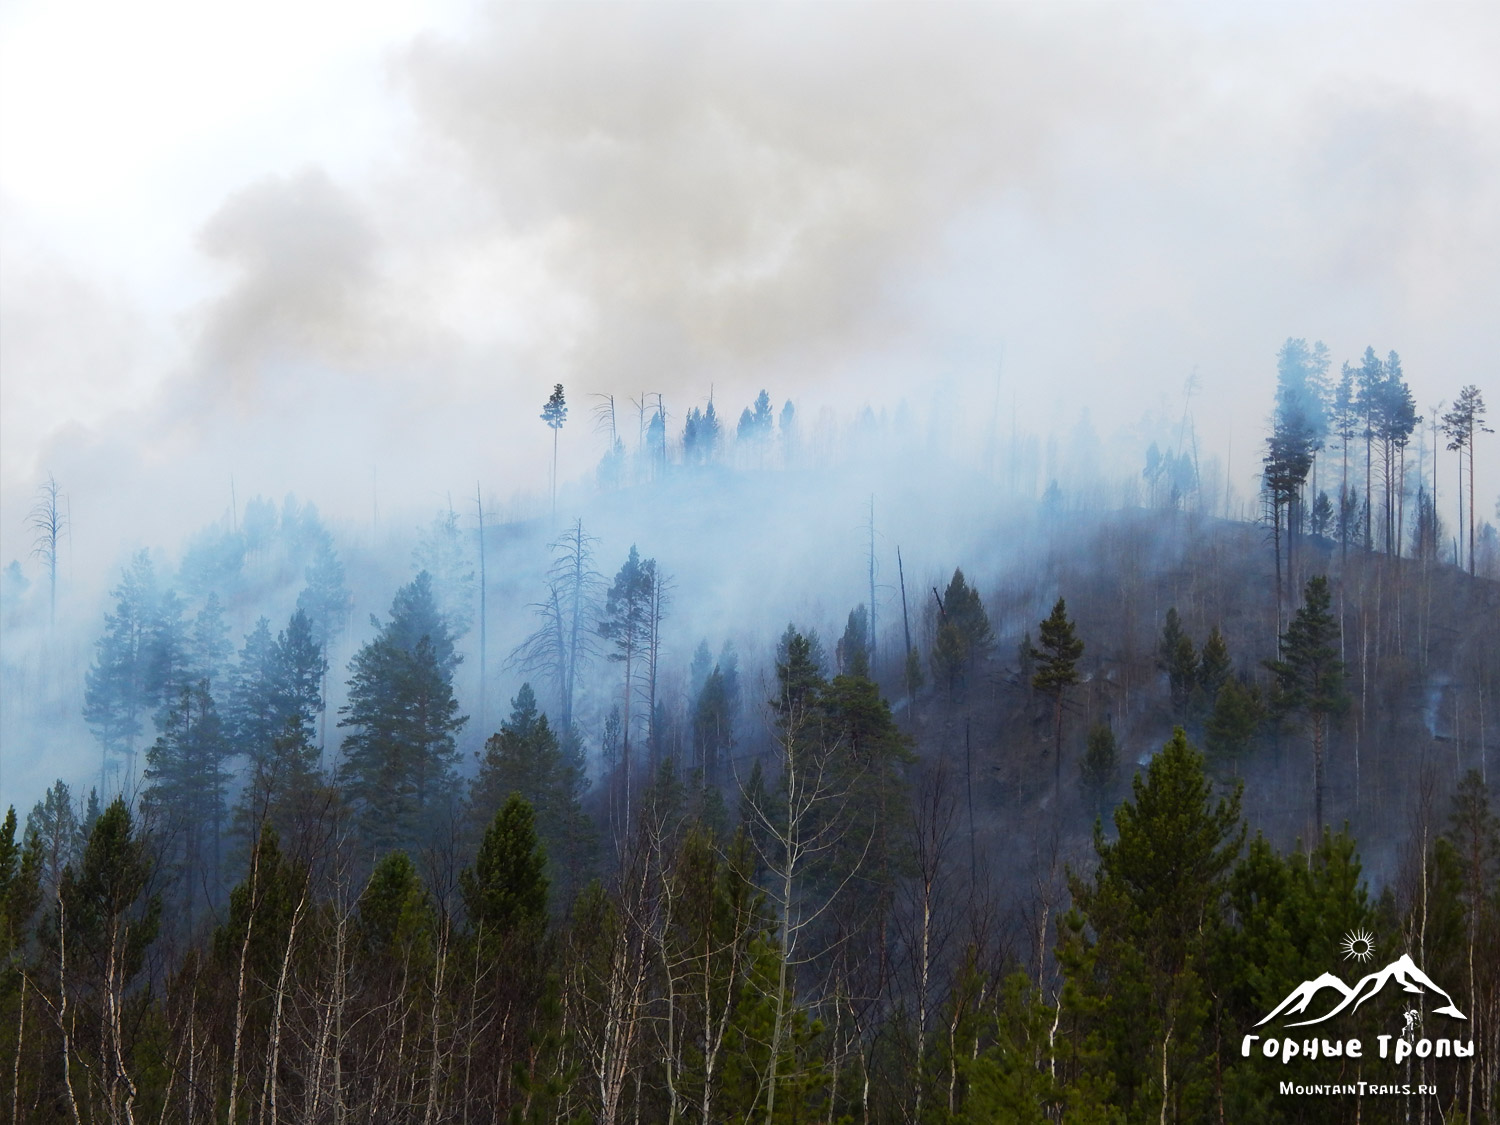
(347, 254)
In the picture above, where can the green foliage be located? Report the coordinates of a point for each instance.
(713, 726)
(1101, 762)
(20, 893)
(54, 826)
(1057, 657)
(525, 758)
(117, 692)
(186, 774)
(400, 754)
(854, 645)
(395, 913)
(963, 636)
(1290, 914)
(505, 892)
(1237, 714)
(1055, 666)
(800, 1087)
(1137, 947)
(1310, 675)
(1214, 664)
(555, 409)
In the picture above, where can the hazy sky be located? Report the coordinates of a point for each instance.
(337, 247)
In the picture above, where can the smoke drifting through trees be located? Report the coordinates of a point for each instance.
(782, 923)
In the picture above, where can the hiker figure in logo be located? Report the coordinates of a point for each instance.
(1413, 1021)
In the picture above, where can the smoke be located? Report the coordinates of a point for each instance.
(995, 220)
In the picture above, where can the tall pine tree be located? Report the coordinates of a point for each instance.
(400, 754)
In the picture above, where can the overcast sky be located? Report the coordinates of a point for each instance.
(336, 247)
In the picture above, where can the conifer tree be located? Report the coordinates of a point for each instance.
(526, 758)
(326, 601)
(1462, 425)
(105, 921)
(963, 636)
(505, 892)
(1310, 674)
(117, 693)
(209, 647)
(1101, 761)
(627, 626)
(1056, 663)
(555, 413)
(53, 823)
(713, 727)
(1236, 716)
(1137, 947)
(400, 753)
(1214, 665)
(853, 647)
(442, 553)
(186, 777)
(1182, 675)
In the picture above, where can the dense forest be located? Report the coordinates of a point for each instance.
(1021, 798)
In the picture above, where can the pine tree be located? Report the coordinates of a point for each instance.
(250, 709)
(1182, 675)
(1214, 665)
(626, 626)
(1311, 676)
(326, 601)
(713, 727)
(964, 636)
(186, 777)
(107, 920)
(853, 647)
(60, 838)
(505, 892)
(1462, 425)
(1236, 716)
(1057, 671)
(1101, 761)
(400, 753)
(555, 413)
(209, 647)
(525, 758)
(117, 694)
(1137, 947)
(441, 552)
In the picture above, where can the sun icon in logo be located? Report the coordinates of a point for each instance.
(1358, 945)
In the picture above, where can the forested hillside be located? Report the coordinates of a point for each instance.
(777, 772)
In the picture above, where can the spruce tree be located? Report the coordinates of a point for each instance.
(626, 625)
(400, 754)
(1101, 761)
(1137, 947)
(117, 695)
(964, 636)
(1214, 665)
(1236, 716)
(1056, 664)
(186, 777)
(1310, 674)
(526, 758)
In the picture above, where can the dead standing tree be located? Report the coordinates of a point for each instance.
(48, 521)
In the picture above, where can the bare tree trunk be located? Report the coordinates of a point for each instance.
(239, 995)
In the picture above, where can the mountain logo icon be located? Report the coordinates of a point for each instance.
(1402, 971)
